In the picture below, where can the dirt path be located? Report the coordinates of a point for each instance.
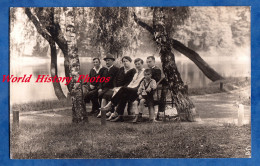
(222, 107)
(213, 109)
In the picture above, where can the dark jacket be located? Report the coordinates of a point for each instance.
(122, 78)
(93, 73)
(156, 73)
(112, 72)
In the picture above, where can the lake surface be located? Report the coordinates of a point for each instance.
(191, 75)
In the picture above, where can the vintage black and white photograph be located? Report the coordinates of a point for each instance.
(130, 82)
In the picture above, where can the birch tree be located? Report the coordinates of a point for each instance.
(49, 28)
(43, 20)
(79, 113)
(163, 19)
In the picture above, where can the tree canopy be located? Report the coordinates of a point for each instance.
(199, 28)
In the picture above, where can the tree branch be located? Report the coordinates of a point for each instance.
(195, 57)
(37, 24)
(46, 18)
(44, 32)
(54, 72)
(192, 55)
(143, 24)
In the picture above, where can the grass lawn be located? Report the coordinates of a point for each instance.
(52, 135)
(126, 140)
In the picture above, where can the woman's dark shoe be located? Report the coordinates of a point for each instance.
(93, 112)
(118, 119)
(140, 118)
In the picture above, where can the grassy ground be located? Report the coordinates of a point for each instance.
(52, 135)
(41, 105)
(126, 140)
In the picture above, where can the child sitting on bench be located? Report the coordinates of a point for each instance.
(145, 96)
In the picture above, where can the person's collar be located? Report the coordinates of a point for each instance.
(153, 67)
(97, 70)
(141, 70)
(147, 80)
(126, 70)
(110, 67)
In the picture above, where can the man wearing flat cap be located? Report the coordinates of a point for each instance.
(111, 72)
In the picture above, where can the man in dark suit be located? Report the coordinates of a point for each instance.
(90, 90)
(156, 71)
(156, 75)
(111, 72)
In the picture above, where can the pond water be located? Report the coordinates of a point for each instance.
(191, 75)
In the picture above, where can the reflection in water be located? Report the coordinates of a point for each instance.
(26, 92)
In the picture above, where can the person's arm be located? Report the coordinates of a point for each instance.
(105, 74)
(157, 74)
(140, 89)
(92, 85)
(130, 77)
(153, 85)
(141, 78)
(114, 73)
(116, 76)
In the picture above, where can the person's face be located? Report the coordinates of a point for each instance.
(126, 63)
(147, 76)
(150, 62)
(138, 65)
(109, 62)
(96, 63)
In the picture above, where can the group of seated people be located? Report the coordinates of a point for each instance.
(127, 86)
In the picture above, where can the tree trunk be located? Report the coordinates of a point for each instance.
(53, 28)
(54, 72)
(43, 31)
(180, 95)
(79, 113)
(184, 106)
(61, 42)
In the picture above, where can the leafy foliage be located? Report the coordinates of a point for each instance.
(113, 30)
(219, 28)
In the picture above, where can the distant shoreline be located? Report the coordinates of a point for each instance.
(230, 84)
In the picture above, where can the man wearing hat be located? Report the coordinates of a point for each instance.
(111, 72)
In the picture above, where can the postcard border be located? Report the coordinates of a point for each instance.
(255, 78)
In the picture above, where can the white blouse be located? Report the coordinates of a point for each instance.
(138, 77)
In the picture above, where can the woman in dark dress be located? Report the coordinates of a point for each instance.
(126, 94)
(122, 79)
